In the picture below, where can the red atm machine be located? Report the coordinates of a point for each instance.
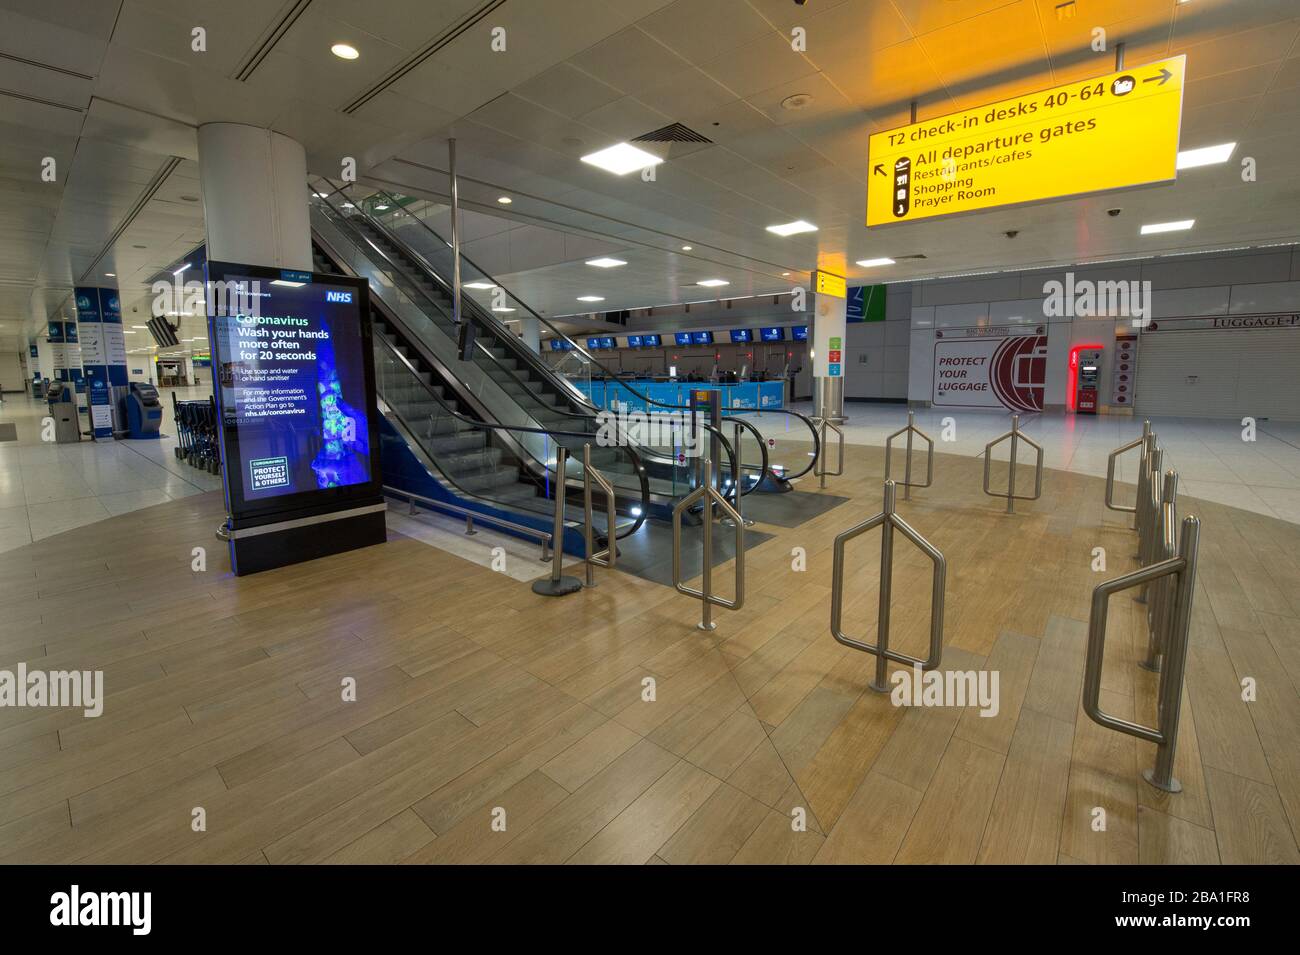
(1087, 380)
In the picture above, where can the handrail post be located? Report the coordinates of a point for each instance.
(557, 585)
(1017, 437)
(1171, 678)
(1011, 477)
(1160, 616)
(586, 514)
(888, 521)
(711, 497)
(1149, 532)
(907, 467)
(880, 683)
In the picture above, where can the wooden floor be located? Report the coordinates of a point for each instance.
(475, 695)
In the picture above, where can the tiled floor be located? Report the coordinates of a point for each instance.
(1213, 460)
(46, 489)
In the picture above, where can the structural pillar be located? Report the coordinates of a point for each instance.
(254, 184)
(531, 332)
(830, 314)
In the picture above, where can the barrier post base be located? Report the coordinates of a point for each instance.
(557, 588)
(1174, 785)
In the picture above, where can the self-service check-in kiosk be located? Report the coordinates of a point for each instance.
(62, 398)
(144, 411)
(1089, 376)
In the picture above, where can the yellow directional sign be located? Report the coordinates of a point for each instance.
(828, 283)
(1110, 132)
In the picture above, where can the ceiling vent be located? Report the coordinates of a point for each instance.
(672, 133)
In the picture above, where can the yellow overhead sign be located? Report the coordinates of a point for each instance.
(1110, 132)
(829, 284)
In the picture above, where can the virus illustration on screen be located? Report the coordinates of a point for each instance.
(345, 454)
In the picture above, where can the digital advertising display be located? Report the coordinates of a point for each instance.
(634, 341)
(295, 388)
(741, 336)
(561, 344)
(701, 338)
(682, 338)
(799, 333)
(772, 334)
(602, 342)
(651, 341)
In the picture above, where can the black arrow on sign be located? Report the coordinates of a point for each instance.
(1163, 78)
(879, 169)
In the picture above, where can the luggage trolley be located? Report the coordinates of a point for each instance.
(196, 433)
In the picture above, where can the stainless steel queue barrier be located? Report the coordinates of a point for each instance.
(1148, 509)
(608, 556)
(557, 585)
(707, 493)
(1181, 569)
(1160, 592)
(471, 516)
(738, 474)
(819, 468)
(1016, 436)
(1110, 470)
(907, 481)
(888, 521)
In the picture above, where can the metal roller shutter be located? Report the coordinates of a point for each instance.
(1220, 373)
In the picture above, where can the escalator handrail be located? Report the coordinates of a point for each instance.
(415, 254)
(763, 469)
(493, 426)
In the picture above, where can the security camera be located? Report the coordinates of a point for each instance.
(1113, 212)
(1012, 233)
(800, 3)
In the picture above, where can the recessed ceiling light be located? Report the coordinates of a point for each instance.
(712, 283)
(606, 263)
(381, 208)
(591, 298)
(687, 248)
(128, 332)
(110, 275)
(792, 228)
(621, 159)
(1205, 156)
(344, 51)
(872, 263)
(190, 198)
(1182, 225)
(504, 200)
(479, 285)
(139, 326)
(502, 308)
(785, 273)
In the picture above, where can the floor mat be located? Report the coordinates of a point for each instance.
(790, 509)
(649, 552)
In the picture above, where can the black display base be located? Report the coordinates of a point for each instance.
(254, 554)
(557, 588)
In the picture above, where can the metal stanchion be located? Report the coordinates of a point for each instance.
(710, 496)
(1182, 569)
(607, 557)
(558, 585)
(1110, 472)
(911, 430)
(737, 475)
(889, 521)
(1148, 528)
(1158, 617)
(1016, 437)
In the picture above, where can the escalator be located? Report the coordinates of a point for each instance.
(486, 428)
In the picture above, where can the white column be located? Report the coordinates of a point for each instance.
(254, 184)
(532, 333)
(830, 314)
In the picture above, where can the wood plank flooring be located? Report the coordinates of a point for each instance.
(493, 725)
